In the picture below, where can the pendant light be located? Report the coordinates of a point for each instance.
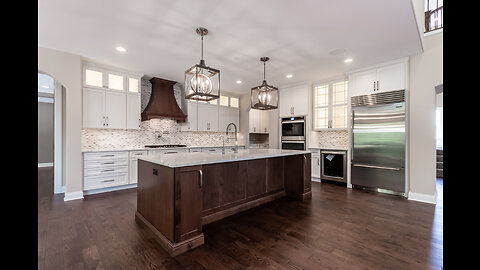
(264, 97)
(202, 82)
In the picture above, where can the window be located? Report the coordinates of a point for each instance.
(433, 15)
(330, 105)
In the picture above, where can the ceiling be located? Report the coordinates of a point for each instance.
(298, 36)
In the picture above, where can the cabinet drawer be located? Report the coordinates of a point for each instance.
(105, 155)
(104, 163)
(105, 171)
(105, 181)
(139, 153)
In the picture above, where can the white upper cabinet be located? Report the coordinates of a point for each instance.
(133, 111)
(207, 117)
(384, 78)
(293, 101)
(227, 115)
(106, 103)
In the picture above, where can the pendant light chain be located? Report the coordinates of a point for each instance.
(264, 71)
(202, 47)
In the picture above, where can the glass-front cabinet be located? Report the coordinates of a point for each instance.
(97, 77)
(330, 101)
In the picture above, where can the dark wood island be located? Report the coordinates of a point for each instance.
(179, 193)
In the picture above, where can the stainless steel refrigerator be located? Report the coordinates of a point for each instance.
(378, 143)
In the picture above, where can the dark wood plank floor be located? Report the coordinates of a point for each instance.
(338, 228)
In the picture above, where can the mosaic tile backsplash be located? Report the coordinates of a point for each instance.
(334, 139)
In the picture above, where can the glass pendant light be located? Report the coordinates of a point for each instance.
(202, 82)
(264, 97)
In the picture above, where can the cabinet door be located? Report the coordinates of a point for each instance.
(275, 179)
(253, 121)
(211, 188)
(115, 110)
(234, 117)
(391, 78)
(93, 108)
(115, 81)
(192, 117)
(188, 202)
(362, 83)
(315, 166)
(223, 118)
(133, 166)
(257, 175)
(207, 117)
(284, 105)
(299, 100)
(233, 182)
(133, 112)
(94, 77)
(133, 84)
(264, 122)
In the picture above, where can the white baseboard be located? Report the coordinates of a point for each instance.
(420, 197)
(49, 164)
(73, 195)
(103, 190)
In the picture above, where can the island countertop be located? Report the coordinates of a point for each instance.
(192, 159)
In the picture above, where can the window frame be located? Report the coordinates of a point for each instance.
(330, 106)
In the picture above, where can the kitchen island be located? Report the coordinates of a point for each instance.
(179, 193)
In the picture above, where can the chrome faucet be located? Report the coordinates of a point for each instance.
(236, 142)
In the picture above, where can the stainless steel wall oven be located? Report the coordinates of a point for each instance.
(293, 133)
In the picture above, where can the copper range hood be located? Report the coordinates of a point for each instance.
(162, 102)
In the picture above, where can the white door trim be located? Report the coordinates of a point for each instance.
(57, 139)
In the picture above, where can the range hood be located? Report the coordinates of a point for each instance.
(162, 102)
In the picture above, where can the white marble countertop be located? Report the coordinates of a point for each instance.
(200, 158)
(328, 148)
(150, 148)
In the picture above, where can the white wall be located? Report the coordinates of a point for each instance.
(66, 69)
(426, 72)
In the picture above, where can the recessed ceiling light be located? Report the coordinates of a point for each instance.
(45, 86)
(289, 76)
(239, 81)
(348, 60)
(121, 49)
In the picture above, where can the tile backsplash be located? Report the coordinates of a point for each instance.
(170, 131)
(102, 139)
(329, 139)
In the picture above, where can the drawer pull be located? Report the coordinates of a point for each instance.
(111, 180)
(138, 154)
(108, 155)
(108, 170)
(108, 163)
(212, 150)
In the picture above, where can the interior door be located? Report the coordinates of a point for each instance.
(379, 135)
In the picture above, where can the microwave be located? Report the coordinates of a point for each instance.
(293, 129)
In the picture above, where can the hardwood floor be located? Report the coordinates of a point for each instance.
(338, 228)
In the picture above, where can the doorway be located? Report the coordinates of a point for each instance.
(50, 125)
(439, 140)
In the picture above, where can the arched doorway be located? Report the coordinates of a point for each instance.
(50, 135)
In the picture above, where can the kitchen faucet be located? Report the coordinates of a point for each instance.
(236, 142)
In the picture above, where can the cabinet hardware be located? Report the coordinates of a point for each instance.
(138, 154)
(108, 163)
(108, 155)
(108, 170)
(318, 161)
(378, 83)
(111, 180)
(377, 167)
(201, 178)
(155, 171)
(373, 85)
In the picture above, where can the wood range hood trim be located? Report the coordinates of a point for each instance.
(162, 103)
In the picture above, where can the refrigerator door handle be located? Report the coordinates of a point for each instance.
(353, 136)
(376, 167)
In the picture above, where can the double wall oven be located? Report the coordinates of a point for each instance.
(293, 133)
